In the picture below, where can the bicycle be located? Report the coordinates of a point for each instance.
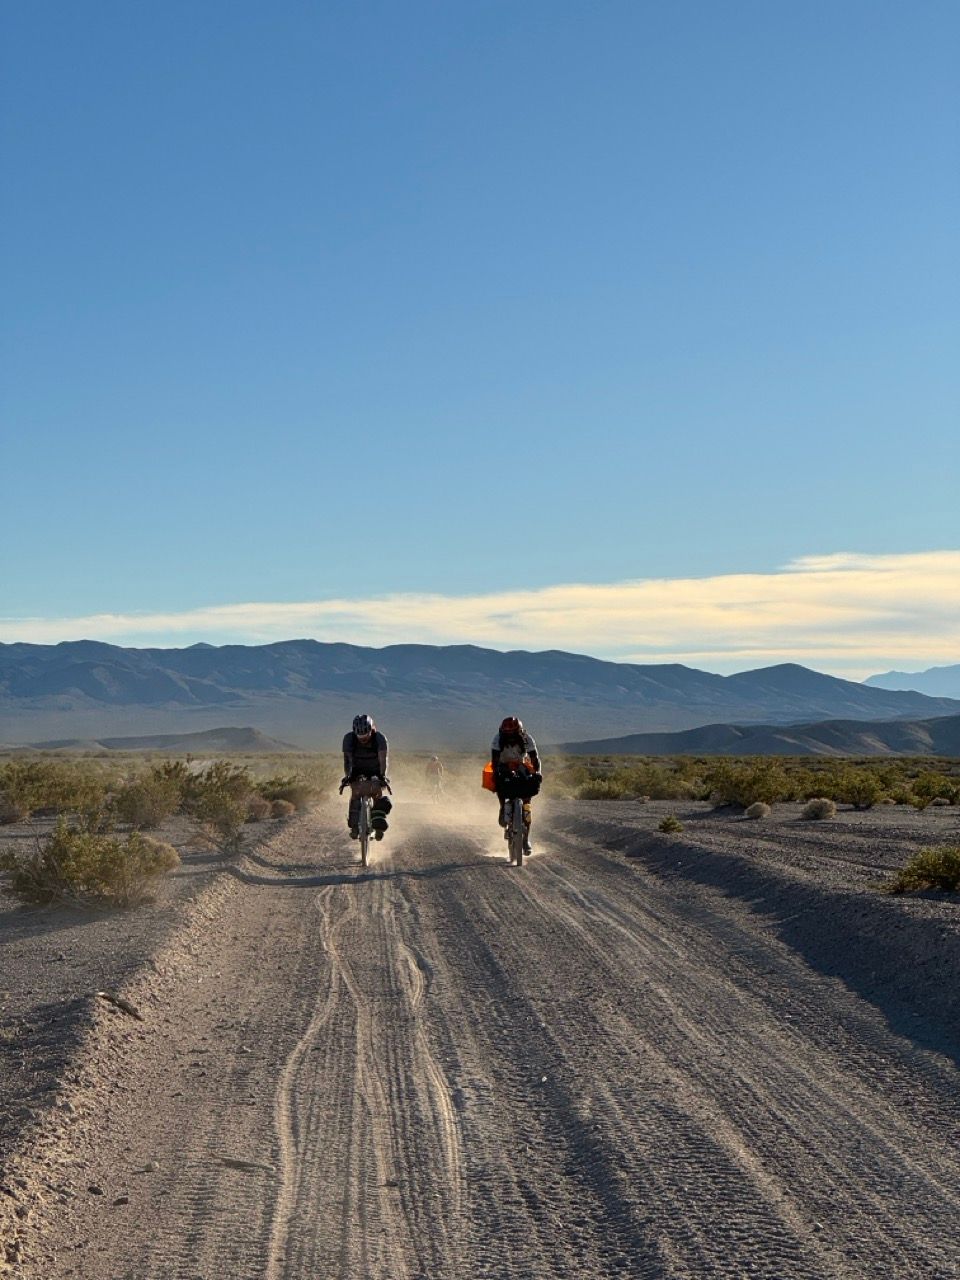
(368, 788)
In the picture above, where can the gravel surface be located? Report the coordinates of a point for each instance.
(716, 1054)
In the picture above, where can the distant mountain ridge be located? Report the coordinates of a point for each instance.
(937, 737)
(308, 692)
(225, 740)
(935, 682)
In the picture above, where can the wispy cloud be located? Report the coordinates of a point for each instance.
(847, 613)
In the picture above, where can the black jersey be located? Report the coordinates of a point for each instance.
(368, 757)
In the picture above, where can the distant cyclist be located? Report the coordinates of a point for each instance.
(365, 757)
(435, 775)
(516, 770)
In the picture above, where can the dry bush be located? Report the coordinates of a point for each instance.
(603, 789)
(934, 868)
(217, 796)
(258, 807)
(758, 810)
(148, 801)
(33, 785)
(817, 808)
(632, 782)
(671, 824)
(11, 811)
(747, 782)
(282, 809)
(931, 788)
(83, 866)
(295, 789)
(859, 787)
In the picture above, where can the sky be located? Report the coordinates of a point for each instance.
(629, 328)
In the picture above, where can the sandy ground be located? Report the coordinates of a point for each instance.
(718, 1054)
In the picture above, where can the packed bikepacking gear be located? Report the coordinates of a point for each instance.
(365, 759)
(516, 775)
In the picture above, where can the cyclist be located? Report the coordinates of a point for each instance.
(513, 750)
(435, 775)
(365, 756)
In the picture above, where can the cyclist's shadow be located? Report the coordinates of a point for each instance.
(353, 873)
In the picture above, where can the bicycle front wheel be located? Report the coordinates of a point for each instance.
(516, 834)
(364, 829)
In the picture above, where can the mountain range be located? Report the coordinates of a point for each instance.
(209, 742)
(937, 737)
(936, 682)
(307, 692)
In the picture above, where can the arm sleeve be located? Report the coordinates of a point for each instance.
(382, 755)
(347, 757)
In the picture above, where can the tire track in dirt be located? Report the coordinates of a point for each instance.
(396, 1199)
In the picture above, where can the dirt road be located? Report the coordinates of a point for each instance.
(444, 1067)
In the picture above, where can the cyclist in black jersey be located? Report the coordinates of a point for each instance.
(365, 755)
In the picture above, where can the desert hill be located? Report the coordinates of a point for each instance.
(937, 737)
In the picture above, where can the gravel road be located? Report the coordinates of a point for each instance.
(637, 1056)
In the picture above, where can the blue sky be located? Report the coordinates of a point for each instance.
(312, 302)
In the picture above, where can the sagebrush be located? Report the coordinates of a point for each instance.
(74, 864)
(935, 868)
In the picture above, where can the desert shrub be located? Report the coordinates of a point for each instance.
(282, 809)
(934, 868)
(806, 783)
(657, 782)
(217, 796)
(747, 782)
(758, 810)
(31, 785)
(901, 795)
(670, 824)
(817, 808)
(147, 801)
(258, 807)
(929, 787)
(85, 866)
(603, 789)
(295, 789)
(860, 788)
(11, 810)
(176, 772)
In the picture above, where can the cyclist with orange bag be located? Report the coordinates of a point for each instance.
(516, 771)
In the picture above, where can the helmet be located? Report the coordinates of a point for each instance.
(363, 725)
(511, 726)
